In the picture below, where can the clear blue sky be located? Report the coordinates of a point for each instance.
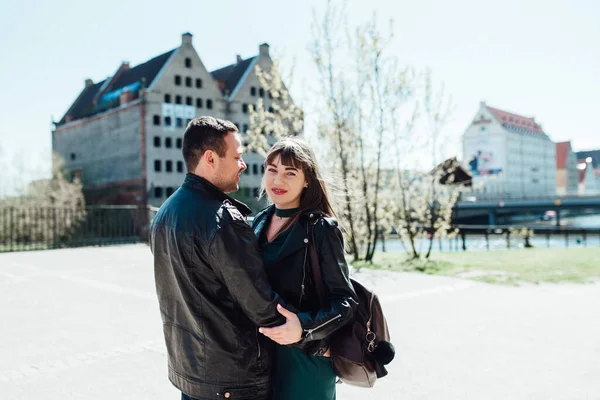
(537, 58)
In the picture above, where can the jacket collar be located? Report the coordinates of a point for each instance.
(197, 183)
(299, 236)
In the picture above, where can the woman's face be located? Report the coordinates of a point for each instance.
(284, 184)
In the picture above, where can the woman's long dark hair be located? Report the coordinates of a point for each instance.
(296, 153)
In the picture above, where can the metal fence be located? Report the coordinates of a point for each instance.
(44, 228)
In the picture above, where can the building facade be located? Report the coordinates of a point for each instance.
(122, 137)
(567, 174)
(509, 156)
(589, 178)
(594, 155)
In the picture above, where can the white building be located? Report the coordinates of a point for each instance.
(589, 180)
(509, 156)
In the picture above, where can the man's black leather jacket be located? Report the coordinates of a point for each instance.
(213, 293)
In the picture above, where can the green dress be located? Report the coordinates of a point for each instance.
(297, 375)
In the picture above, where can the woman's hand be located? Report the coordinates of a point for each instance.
(288, 333)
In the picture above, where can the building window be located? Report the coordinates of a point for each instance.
(245, 108)
(187, 122)
(255, 169)
(271, 110)
(167, 98)
(170, 191)
(178, 99)
(179, 166)
(188, 62)
(157, 165)
(168, 121)
(178, 122)
(262, 169)
(198, 102)
(245, 128)
(179, 143)
(483, 129)
(156, 119)
(158, 192)
(237, 125)
(246, 171)
(270, 95)
(169, 142)
(156, 141)
(256, 192)
(169, 166)
(188, 101)
(73, 157)
(261, 92)
(178, 80)
(188, 81)
(209, 104)
(252, 91)
(76, 176)
(198, 83)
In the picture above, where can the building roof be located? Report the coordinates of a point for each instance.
(562, 154)
(228, 77)
(595, 154)
(517, 123)
(453, 173)
(145, 73)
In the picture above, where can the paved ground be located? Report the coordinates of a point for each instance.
(84, 324)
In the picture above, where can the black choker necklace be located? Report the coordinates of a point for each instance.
(286, 213)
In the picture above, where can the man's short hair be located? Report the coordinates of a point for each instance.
(202, 134)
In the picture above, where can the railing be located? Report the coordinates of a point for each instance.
(44, 228)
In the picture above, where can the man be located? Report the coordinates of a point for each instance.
(212, 290)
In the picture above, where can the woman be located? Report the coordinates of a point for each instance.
(302, 211)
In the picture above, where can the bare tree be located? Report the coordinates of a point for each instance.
(438, 109)
(425, 199)
(284, 119)
(48, 209)
(336, 119)
(362, 86)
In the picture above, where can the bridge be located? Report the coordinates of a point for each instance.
(494, 209)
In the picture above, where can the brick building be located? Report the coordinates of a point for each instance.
(122, 137)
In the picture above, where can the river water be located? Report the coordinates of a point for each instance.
(498, 242)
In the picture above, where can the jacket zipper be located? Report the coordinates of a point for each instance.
(310, 331)
(258, 342)
(303, 278)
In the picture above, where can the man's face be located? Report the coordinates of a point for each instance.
(230, 167)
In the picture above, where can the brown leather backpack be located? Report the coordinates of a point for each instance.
(361, 349)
